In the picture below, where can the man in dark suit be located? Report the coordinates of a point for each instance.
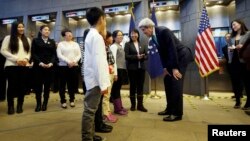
(174, 58)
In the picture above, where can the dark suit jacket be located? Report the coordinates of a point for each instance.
(43, 52)
(131, 56)
(225, 52)
(172, 52)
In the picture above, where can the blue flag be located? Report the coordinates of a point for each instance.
(153, 17)
(132, 21)
(154, 66)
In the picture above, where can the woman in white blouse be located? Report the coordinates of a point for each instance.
(16, 49)
(69, 54)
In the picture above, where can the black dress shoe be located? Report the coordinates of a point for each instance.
(107, 126)
(44, 107)
(97, 138)
(11, 110)
(172, 118)
(38, 108)
(245, 108)
(247, 112)
(103, 129)
(165, 112)
(237, 105)
(19, 109)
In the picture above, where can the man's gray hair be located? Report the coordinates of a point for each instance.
(146, 22)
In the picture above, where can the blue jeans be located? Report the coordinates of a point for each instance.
(91, 102)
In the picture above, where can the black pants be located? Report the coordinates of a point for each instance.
(17, 80)
(43, 78)
(236, 72)
(67, 76)
(174, 93)
(2, 84)
(136, 80)
(30, 80)
(117, 85)
(55, 79)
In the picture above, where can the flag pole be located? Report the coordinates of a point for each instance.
(206, 94)
(155, 96)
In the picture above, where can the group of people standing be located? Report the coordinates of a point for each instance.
(37, 59)
(107, 64)
(100, 70)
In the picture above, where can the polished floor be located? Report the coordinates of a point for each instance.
(57, 124)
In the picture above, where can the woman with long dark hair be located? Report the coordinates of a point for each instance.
(135, 55)
(238, 68)
(43, 53)
(16, 49)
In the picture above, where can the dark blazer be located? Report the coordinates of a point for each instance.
(225, 52)
(131, 56)
(172, 52)
(43, 52)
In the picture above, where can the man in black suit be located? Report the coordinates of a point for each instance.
(174, 58)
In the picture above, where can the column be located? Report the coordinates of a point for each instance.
(190, 16)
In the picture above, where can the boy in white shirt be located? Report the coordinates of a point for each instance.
(96, 72)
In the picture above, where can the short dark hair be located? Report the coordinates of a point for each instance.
(41, 28)
(64, 32)
(115, 33)
(136, 31)
(93, 15)
(109, 34)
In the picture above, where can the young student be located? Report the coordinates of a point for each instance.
(96, 73)
(16, 49)
(108, 116)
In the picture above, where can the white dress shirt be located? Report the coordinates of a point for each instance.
(68, 52)
(96, 71)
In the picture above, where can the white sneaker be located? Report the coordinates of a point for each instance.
(72, 104)
(64, 105)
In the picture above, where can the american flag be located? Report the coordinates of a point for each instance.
(205, 51)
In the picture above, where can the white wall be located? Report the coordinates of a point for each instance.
(118, 22)
(169, 18)
(218, 16)
(78, 27)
